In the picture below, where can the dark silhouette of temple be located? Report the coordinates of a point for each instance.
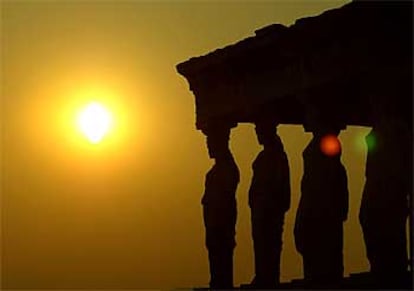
(348, 66)
(322, 210)
(269, 199)
(219, 207)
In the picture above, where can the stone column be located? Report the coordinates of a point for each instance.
(322, 210)
(219, 206)
(385, 202)
(269, 199)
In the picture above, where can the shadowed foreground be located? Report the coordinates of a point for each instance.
(354, 281)
(347, 66)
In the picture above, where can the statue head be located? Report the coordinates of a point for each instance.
(266, 132)
(218, 140)
(324, 131)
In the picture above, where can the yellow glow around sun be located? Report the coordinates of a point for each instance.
(94, 121)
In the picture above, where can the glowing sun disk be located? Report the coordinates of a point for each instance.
(94, 121)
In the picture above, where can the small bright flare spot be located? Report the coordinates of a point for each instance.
(94, 121)
(330, 145)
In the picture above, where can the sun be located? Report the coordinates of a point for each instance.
(94, 121)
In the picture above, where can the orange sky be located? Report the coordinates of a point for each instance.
(126, 213)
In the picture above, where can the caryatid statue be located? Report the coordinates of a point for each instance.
(322, 210)
(269, 199)
(219, 206)
(385, 202)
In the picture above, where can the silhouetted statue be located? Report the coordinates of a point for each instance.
(219, 207)
(269, 199)
(384, 207)
(322, 210)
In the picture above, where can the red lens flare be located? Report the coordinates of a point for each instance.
(330, 145)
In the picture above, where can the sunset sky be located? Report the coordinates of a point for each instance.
(126, 212)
